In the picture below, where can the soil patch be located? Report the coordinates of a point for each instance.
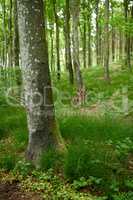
(12, 191)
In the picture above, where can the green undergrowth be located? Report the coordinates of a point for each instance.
(100, 149)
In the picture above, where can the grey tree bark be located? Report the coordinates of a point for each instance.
(16, 36)
(57, 39)
(43, 130)
(97, 32)
(4, 35)
(106, 42)
(113, 35)
(127, 38)
(68, 42)
(10, 45)
(89, 13)
(84, 34)
(75, 11)
(52, 51)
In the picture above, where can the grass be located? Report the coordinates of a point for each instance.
(96, 129)
(98, 147)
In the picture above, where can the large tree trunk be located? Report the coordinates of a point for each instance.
(16, 37)
(68, 42)
(106, 42)
(75, 10)
(43, 132)
(57, 39)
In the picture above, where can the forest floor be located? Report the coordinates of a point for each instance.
(12, 191)
(98, 135)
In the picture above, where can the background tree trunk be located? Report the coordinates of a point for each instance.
(52, 51)
(4, 35)
(68, 42)
(57, 39)
(127, 38)
(113, 36)
(106, 42)
(10, 50)
(75, 10)
(16, 36)
(89, 34)
(84, 34)
(97, 32)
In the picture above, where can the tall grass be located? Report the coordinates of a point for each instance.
(77, 128)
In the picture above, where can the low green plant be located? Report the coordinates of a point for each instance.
(7, 161)
(124, 196)
(82, 182)
(129, 184)
(22, 167)
(50, 159)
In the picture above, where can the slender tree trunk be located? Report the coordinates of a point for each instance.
(89, 35)
(113, 37)
(57, 40)
(84, 45)
(97, 32)
(10, 54)
(127, 39)
(120, 45)
(4, 41)
(43, 132)
(106, 42)
(100, 44)
(132, 35)
(89, 45)
(75, 10)
(4, 36)
(68, 42)
(52, 51)
(16, 36)
(84, 35)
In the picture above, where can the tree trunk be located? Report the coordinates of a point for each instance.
(57, 39)
(127, 39)
(89, 36)
(132, 35)
(68, 43)
(84, 34)
(10, 51)
(89, 45)
(120, 45)
(106, 42)
(97, 32)
(4, 36)
(16, 36)
(43, 131)
(52, 51)
(75, 10)
(113, 37)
